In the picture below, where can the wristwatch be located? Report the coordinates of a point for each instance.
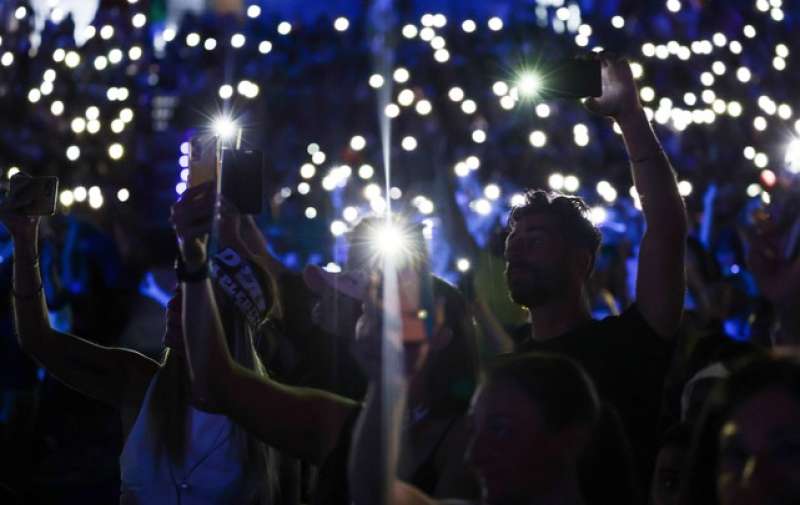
(184, 275)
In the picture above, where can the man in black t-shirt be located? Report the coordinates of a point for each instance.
(550, 254)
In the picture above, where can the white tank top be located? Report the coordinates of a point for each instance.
(210, 474)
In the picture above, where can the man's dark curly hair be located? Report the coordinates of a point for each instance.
(572, 215)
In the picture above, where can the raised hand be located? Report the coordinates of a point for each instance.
(620, 96)
(23, 229)
(192, 217)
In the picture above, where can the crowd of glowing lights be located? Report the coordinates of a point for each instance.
(700, 105)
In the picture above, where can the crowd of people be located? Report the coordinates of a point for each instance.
(255, 400)
(646, 358)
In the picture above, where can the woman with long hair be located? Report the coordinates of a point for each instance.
(173, 452)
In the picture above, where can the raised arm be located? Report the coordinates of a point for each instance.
(110, 375)
(661, 280)
(303, 422)
(375, 449)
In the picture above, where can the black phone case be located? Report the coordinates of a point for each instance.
(573, 79)
(242, 179)
(45, 190)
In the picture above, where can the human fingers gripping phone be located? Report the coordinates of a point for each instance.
(30, 196)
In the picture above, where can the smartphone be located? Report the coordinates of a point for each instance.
(572, 79)
(41, 193)
(202, 160)
(242, 179)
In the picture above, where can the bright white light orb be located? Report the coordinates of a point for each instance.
(285, 28)
(338, 228)
(318, 158)
(405, 97)
(66, 198)
(238, 40)
(542, 110)
(401, 75)
(311, 212)
(57, 108)
(495, 24)
(410, 31)
(424, 107)
(73, 153)
(80, 194)
(78, 125)
(376, 81)
(492, 191)
(106, 32)
(469, 106)
(138, 20)
(34, 95)
(123, 195)
(264, 47)
(366, 171)
(456, 94)
(409, 143)
(225, 127)
(469, 26)
(116, 151)
(537, 138)
(571, 183)
(72, 59)
(392, 110)
(556, 181)
(529, 84)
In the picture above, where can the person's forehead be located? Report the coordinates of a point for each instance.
(538, 221)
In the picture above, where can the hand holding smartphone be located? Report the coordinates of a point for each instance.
(31, 196)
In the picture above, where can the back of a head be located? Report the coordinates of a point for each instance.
(748, 378)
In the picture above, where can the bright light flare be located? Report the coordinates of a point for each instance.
(224, 127)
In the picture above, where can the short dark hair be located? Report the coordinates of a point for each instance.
(571, 212)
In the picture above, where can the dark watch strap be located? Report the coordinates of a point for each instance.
(184, 275)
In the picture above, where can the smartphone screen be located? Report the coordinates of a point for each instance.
(573, 79)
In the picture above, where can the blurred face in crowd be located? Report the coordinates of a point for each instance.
(539, 261)
(517, 457)
(667, 475)
(759, 451)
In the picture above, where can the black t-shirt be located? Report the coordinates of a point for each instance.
(628, 362)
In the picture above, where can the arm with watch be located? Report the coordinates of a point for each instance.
(299, 421)
(661, 279)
